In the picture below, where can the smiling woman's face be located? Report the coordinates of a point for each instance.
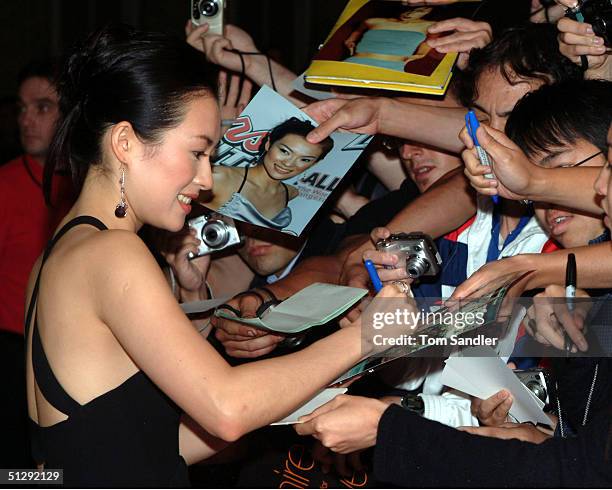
(290, 156)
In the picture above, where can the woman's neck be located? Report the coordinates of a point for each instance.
(99, 198)
(259, 177)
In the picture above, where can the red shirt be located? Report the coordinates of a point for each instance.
(26, 224)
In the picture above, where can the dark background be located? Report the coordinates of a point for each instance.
(290, 29)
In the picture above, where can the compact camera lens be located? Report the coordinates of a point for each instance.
(209, 8)
(215, 234)
(417, 266)
(537, 389)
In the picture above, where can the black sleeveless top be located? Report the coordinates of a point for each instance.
(127, 436)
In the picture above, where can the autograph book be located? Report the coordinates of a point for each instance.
(383, 44)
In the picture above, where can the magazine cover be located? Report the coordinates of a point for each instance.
(267, 173)
(382, 44)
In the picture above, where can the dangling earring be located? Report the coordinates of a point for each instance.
(122, 207)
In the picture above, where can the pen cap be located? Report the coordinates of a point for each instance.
(472, 125)
(570, 271)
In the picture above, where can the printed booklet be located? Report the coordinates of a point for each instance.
(265, 171)
(383, 44)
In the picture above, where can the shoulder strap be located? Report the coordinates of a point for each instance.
(286, 194)
(79, 220)
(246, 172)
(46, 380)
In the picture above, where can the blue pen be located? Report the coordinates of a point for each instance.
(472, 125)
(376, 282)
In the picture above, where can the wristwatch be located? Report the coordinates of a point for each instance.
(413, 403)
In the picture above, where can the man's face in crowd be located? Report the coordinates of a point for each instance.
(497, 97)
(425, 165)
(266, 258)
(38, 114)
(603, 184)
(567, 227)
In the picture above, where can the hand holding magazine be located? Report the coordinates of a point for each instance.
(314, 305)
(384, 44)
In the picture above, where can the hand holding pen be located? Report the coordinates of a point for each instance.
(515, 177)
(550, 322)
(472, 124)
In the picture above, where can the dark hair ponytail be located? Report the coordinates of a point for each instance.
(121, 74)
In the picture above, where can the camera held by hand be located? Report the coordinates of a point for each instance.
(216, 233)
(539, 382)
(417, 253)
(598, 13)
(209, 11)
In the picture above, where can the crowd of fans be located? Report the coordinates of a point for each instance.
(121, 388)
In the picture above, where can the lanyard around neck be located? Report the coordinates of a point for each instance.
(494, 251)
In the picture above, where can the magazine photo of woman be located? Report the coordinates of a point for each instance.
(258, 194)
(390, 42)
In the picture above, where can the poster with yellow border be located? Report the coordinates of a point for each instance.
(383, 44)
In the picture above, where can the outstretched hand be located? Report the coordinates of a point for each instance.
(361, 115)
(345, 424)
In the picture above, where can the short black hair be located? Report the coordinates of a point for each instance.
(560, 114)
(293, 125)
(48, 68)
(528, 51)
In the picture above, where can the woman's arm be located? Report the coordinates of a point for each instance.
(134, 301)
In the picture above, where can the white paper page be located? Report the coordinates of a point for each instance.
(455, 380)
(322, 398)
(204, 305)
(490, 374)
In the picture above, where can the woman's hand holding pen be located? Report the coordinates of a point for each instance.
(514, 173)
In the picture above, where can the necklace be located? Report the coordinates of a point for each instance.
(586, 409)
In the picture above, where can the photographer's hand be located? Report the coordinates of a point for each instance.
(233, 96)
(577, 39)
(383, 259)
(190, 274)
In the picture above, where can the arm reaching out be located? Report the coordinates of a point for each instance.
(518, 178)
(435, 126)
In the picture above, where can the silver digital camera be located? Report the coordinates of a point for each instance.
(210, 11)
(216, 232)
(416, 251)
(538, 381)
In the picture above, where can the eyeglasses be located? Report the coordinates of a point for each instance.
(583, 161)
